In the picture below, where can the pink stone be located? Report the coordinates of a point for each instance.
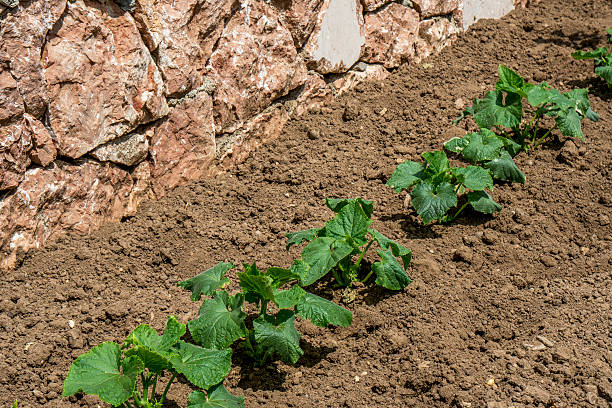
(315, 93)
(61, 198)
(430, 8)
(183, 145)
(264, 127)
(43, 150)
(11, 102)
(142, 190)
(298, 16)
(434, 34)
(371, 5)
(367, 72)
(255, 63)
(391, 34)
(14, 147)
(183, 32)
(338, 37)
(22, 35)
(102, 81)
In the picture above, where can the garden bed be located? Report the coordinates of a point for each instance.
(508, 310)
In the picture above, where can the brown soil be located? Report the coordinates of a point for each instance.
(485, 287)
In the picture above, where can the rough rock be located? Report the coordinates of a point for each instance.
(14, 160)
(434, 34)
(43, 150)
(22, 35)
(391, 34)
(9, 3)
(128, 150)
(338, 37)
(11, 103)
(255, 63)
(315, 93)
(430, 8)
(266, 126)
(21, 143)
(372, 72)
(298, 16)
(142, 190)
(183, 146)
(102, 81)
(371, 5)
(184, 34)
(61, 198)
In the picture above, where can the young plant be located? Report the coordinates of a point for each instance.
(340, 246)
(503, 108)
(602, 59)
(221, 320)
(492, 151)
(436, 187)
(114, 372)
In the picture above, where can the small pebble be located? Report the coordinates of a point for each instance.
(71, 324)
(545, 341)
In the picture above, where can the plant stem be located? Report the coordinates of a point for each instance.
(153, 389)
(363, 253)
(544, 137)
(163, 398)
(368, 276)
(337, 277)
(264, 308)
(457, 213)
(145, 385)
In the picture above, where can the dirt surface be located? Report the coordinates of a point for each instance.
(486, 289)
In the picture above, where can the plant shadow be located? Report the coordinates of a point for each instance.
(578, 41)
(596, 86)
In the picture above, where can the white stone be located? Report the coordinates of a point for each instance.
(474, 10)
(338, 39)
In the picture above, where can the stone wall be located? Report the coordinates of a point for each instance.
(104, 104)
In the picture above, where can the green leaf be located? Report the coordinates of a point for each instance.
(321, 255)
(256, 285)
(101, 372)
(482, 202)
(216, 326)
(606, 73)
(277, 336)
(510, 145)
(481, 146)
(467, 112)
(569, 124)
(286, 299)
(336, 204)
(503, 168)
(296, 238)
(351, 222)
(282, 276)
(322, 312)
(202, 367)
(473, 177)
(539, 94)
(437, 162)
(389, 273)
(432, 203)
(152, 349)
(406, 175)
(592, 115)
(218, 397)
(208, 281)
(398, 250)
(509, 81)
(609, 31)
(598, 53)
(494, 111)
(455, 145)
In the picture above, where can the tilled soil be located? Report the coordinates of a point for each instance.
(508, 310)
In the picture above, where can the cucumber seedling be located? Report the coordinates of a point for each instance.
(127, 374)
(490, 150)
(602, 58)
(221, 320)
(502, 109)
(435, 187)
(340, 246)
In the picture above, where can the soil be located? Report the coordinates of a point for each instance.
(508, 310)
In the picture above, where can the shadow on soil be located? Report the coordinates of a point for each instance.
(579, 41)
